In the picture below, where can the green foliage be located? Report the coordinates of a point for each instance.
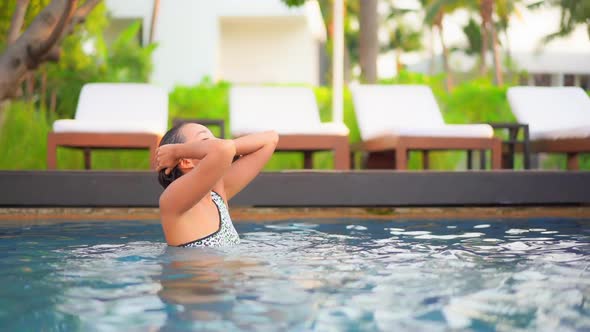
(207, 100)
(126, 60)
(434, 8)
(405, 38)
(7, 10)
(23, 145)
(504, 9)
(473, 33)
(87, 58)
(436, 82)
(23, 138)
(294, 3)
(574, 13)
(476, 101)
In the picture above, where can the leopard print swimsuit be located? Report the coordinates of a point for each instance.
(226, 235)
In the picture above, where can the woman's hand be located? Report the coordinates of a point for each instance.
(167, 157)
(251, 143)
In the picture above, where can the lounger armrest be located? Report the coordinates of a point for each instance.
(513, 141)
(219, 123)
(513, 129)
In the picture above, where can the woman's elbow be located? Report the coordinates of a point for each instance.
(226, 149)
(273, 137)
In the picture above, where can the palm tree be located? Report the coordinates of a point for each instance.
(504, 10)
(472, 32)
(155, 14)
(435, 11)
(573, 14)
(404, 39)
(351, 35)
(486, 10)
(369, 41)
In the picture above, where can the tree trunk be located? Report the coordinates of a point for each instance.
(155, 13)
(43, 94)
(39, 43)
(432, 62)
(53, 102)
(347, 70)
(485, 10)
(18, 18)
(30, 86)
(445, 53)
(497, 62)
(368, 43)
(484, 42)
(507, 46)
(398, 61)
(14, 31)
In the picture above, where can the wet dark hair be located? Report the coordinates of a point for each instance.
(172, 136)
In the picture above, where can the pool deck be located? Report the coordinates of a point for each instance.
(36, 216)
(309, 189)
(314, 194)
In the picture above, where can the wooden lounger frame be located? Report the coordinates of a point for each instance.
(392, 151)
(572, 147)
(93, 141)
(308, 144)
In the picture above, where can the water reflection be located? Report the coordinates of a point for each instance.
(206, 289)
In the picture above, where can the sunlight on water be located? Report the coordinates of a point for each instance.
(345, 275)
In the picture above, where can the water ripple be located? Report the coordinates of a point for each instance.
(303, 275)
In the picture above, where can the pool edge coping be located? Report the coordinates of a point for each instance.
(248, 214)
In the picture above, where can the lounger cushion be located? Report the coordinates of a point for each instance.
(76, 126)
(119, 108)
(552, 112)
(573, 132)
(325, 128)
(288, 110)
(406, 110)
(455, 131)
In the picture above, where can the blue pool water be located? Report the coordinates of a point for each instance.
(300, 275)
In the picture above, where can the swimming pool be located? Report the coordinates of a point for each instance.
(299, 275)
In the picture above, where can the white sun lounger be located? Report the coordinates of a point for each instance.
(112, 116)
(294, 114)
(394, 119)
(558, 119)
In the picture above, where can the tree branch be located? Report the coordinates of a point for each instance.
(39, 42)
(56, 33)
(53, 55)
(84, 10)
(18, 18)
(79, 17)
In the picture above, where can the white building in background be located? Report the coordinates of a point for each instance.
(264, 41)
(253, 41)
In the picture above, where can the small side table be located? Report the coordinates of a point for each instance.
(219, 123)
(509, 146)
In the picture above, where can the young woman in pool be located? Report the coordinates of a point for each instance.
(198, 175)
